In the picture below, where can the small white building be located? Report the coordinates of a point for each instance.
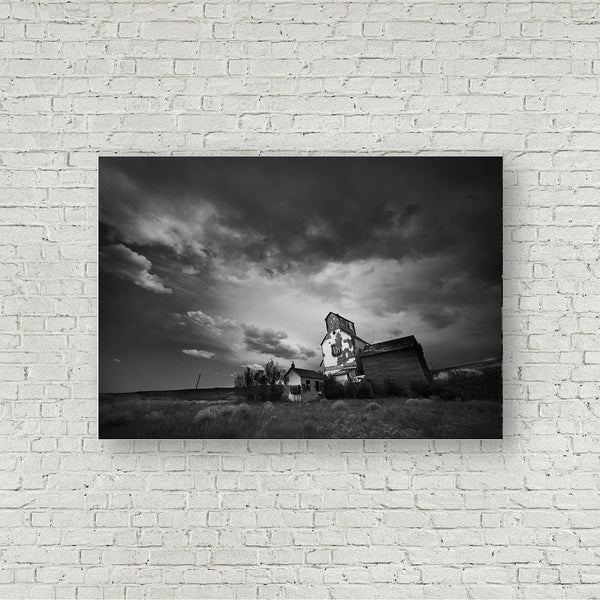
(302, 384)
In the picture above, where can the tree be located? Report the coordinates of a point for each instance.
(272, 373)
(266, 378)
(248, 377)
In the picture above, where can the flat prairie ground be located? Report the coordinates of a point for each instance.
(224, 415)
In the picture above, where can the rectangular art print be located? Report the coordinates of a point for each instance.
(300, 297)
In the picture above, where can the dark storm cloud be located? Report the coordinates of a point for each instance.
(282, 213)
(127, 264)
(273, 342)
(440, 318)
(201, 335)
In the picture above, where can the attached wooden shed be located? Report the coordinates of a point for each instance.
(400, 360)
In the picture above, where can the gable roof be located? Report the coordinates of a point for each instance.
(340, 316)
(304, 373)
(403, 343)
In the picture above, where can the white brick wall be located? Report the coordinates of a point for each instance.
(411, 519)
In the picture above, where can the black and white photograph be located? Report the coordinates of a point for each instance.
(300, 297)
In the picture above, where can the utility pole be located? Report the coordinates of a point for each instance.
(198, 382)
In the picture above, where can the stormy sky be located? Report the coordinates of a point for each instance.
(210, 264)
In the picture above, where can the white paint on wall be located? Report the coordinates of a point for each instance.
(338, 346)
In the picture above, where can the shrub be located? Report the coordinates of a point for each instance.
(116, 419)
(419, 401)
(276, 393)
(241, 410)
(207, 414)
(255, 393)
(484, 384)
(446, 390)
(479, 385)
(226, 409)
(261, 393)
(392, 387)
(360, 389)
(422, 388)
(332, 389)
(242, 422)
(339, 405)
(156, 415)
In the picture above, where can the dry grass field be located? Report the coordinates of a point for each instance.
(221, 414)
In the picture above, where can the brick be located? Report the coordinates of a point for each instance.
(290, 518)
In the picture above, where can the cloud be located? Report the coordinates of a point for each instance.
(273, 342)
(144, 213)
(218, 211)
(127, 264)
(198, 353)
(217, 327)
(306, 353)
(439, 317)
(236, 342)
(189, 270)
(254, 367)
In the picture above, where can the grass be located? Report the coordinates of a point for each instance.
(167, 416)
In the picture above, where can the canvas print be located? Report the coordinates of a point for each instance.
(300, 297)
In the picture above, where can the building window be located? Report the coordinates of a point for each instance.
(317, 386)
(308, 385)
